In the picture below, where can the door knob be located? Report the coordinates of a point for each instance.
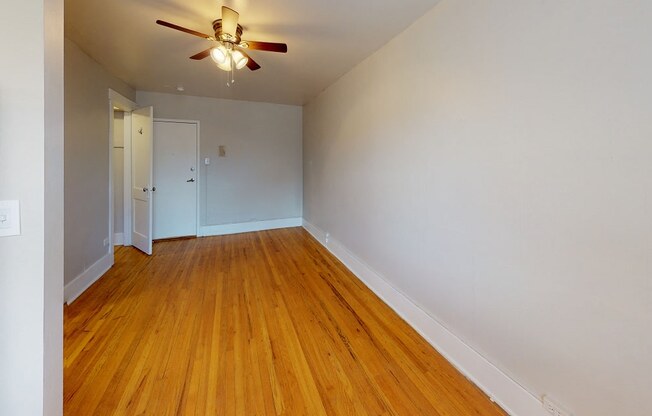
(191, 180)
(144, 189)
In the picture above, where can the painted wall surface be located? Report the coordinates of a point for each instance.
(261, 176)
(494, 163)
(118, 171)
(86, 158)
(31, 171)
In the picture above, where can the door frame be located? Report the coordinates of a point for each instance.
(198, 159)
(122, 103)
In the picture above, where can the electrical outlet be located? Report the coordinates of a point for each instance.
(554, 408)
(327, 237)
(106, 242)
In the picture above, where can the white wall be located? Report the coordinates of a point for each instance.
(493, 162)
(118, 171)
(31, 170)
(86, 159)
(261, 176)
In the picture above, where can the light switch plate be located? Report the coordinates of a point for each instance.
(9, 218)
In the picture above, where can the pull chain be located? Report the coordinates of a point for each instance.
(232, 69)
(231, 72)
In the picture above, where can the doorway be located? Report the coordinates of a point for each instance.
(118, 159)
(120, 109)
(176, 165)
(134, 226)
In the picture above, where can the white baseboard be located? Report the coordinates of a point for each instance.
(82, 282)
(246, 227)
(118, 239)
(502, 389)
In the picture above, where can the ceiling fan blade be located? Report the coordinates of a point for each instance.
(183, 29)
(266, 46)
(251, 64)
(201, 55)
(229, 21)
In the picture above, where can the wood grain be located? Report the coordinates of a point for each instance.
(264, 323)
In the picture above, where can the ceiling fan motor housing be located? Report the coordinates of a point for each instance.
(226, 37)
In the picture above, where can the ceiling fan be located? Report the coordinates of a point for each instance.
(229, 52)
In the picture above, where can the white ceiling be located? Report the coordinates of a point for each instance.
(325, 38)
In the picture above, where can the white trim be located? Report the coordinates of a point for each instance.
(247, 227)
(76, 287)
(118, 239)
(199, 178)
(502, 389)
(176, 120)
(111, 190)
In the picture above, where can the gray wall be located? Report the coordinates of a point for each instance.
(261, 176)
(86, 158)
(493, 162)
(31, 171)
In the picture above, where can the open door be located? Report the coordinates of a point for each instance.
(142, 146)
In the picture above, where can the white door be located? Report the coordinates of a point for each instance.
(142, 121)
(175, 176)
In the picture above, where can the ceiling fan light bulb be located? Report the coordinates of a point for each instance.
(219, 54)
(239, 59)
(226, 64)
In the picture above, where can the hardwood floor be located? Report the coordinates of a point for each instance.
(262, 323)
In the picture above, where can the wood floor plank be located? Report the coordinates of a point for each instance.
(266, 323)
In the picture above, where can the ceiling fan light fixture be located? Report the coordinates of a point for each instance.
(228, 51)
(239, 59)
(225, 66)
(219, 55)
